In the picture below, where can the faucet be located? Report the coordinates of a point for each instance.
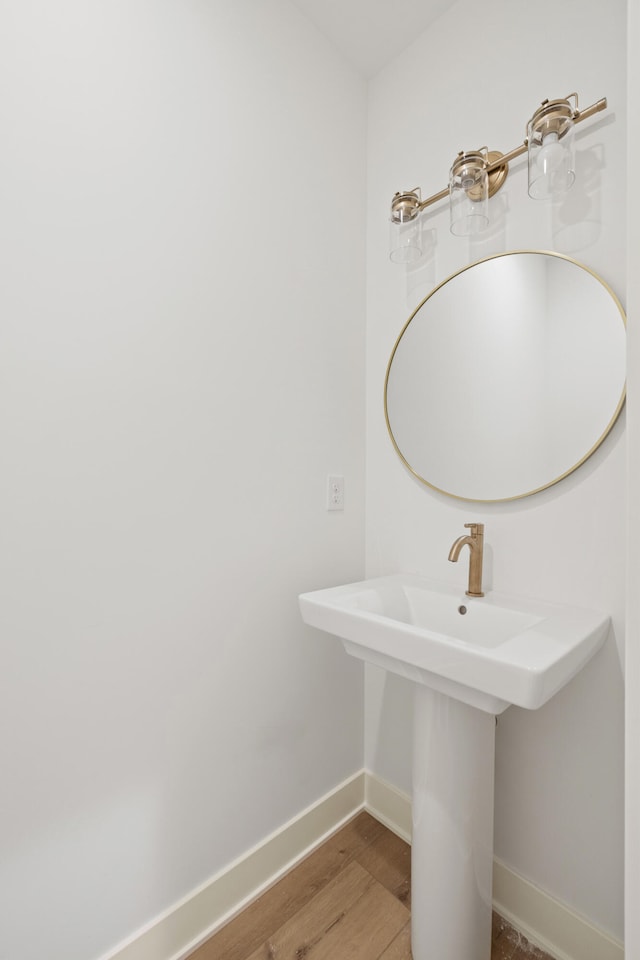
(475, 542)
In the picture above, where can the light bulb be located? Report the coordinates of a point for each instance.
(550, 155)
(550, 148)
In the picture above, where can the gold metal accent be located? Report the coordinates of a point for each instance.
(466, 165)
(497, 174)
(405, 206)
(475, 542)
(589, 453)
(553, 116)
(500, 164)
(467, 169)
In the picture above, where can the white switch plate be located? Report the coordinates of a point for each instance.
(335, 492)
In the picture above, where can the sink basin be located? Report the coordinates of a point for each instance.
(488, 652)
(470, 658)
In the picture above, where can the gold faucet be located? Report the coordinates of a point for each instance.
(475, 542)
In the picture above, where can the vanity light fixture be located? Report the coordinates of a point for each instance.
(476, 175)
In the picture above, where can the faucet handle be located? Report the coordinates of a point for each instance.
(476, 528)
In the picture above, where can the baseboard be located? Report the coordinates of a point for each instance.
(545, 922)
(548, 923)
(388, 805)
(177, 932)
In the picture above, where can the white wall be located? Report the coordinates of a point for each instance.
(182, 352)
(475, 78)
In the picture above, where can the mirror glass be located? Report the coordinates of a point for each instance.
(507, 376)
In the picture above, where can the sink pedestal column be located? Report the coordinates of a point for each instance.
(452, 844)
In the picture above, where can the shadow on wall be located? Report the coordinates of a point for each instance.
(577, 218)
(392, 701)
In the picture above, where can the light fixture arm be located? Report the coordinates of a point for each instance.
(500, 163)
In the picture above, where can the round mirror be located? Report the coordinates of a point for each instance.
(507, 376)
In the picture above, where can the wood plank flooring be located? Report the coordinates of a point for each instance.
(349, 900)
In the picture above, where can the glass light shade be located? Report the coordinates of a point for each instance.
(405, 230)
(551, 151)
(469, 193)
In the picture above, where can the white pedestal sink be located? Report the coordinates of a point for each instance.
(470, 659)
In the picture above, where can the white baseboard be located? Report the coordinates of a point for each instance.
(388, 805)
(546, 922)
(177, 932)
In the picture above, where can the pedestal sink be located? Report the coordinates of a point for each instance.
(470, 659)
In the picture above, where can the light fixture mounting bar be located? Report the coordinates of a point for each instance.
(504, 159)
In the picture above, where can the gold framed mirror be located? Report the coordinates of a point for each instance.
(507, 376)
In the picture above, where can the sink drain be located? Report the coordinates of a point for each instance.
(462, 609)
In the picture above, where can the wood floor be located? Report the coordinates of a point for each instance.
(349, 900)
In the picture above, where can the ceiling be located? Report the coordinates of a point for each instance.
(371, 32)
